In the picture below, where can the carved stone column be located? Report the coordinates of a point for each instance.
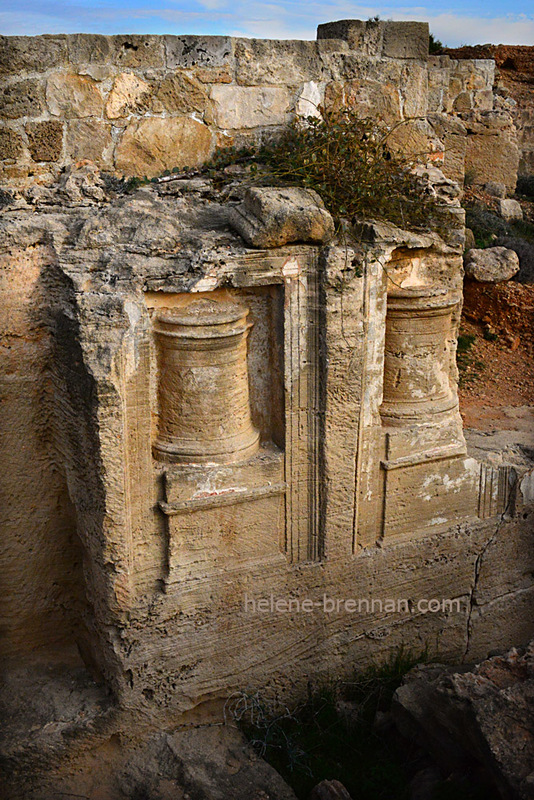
(417, 382)
(203, 384)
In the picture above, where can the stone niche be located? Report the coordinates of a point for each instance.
(221, 426)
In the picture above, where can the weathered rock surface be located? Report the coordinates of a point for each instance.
(510, 210)
(250, 106)
(483, 718)
(217, 763)
(153, 145)
(45, 140)
(129, 93)
(492, 264)
(57, 723)
(273, 217)
(495, 189)
(329, 790)
(492, 152)
(73, 96)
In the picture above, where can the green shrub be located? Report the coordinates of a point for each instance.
(316, 741)
(346, 160)
(435, 46)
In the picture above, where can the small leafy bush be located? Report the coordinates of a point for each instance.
(485, 224)
(469, 368)
(317, 741)
(435, 46)
(346, 160)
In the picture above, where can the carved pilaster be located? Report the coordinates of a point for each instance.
(203, 384)
(417, 383)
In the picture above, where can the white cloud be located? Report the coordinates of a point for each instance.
(456, 30)
(288, 19)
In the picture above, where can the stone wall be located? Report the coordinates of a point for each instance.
(141, 105)
(513, 89)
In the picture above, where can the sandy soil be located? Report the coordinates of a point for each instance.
(496, 378)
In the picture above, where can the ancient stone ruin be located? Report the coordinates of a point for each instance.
(213, 403)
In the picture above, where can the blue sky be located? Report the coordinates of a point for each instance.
(452, 21)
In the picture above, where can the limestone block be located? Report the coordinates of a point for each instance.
(213, 74)
(261, 61)
(405, 40)
(365, 36)
(510, 210)
(452, 133)
(180, 93)
(20, 54)
(22, 99)
(492, 152)
(374, 99)
(45, 140)
(250, 107)
(69, 95)
(89, 139)
(198, 51)
(310, 99)
(89, 48)
(128, 94)
(476, 74)
(11, 145)
(482, 716)
(463, 102)
(483, 101)
(150, 146)
(273, 217)
(415, 138)
(413, 86)
(138, 52)
(493, 264)
(218, 762)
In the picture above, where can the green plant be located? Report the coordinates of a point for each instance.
(435, 46)
(317, 740)
(465, 342)
(349, 162)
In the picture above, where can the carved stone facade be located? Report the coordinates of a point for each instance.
(227, 412)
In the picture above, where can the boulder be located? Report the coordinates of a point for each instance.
(217, 763)
(510, 210)
(480, 719)
(270, 217)
(493, 264)
(495, 189)
(470, 243)
(329, 790)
